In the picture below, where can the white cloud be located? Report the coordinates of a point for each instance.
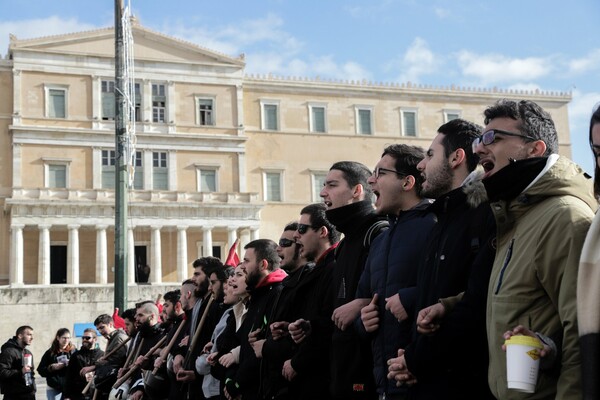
(585, 64)
(32, 28)
(495, 68)
(441, 13)
(416, 61)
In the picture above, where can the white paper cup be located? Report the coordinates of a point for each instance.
(522, 362)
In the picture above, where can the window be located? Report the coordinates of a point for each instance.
(409, 122)
(318, 180)
(57, 176)
(207, 180)
(56, 102)
(160, 171)
(364, 121)
(272, 186)
(108, 170)
(138, 177)
(317, 118)
(137, 89)
(108, 100)
(159, 101)
(270, 116)
(205, 115)
(449, 115)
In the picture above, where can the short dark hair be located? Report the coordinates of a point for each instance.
(319, 219)
(595, 119)
(208, 264)
(407, 158)
(22, 329)
(265, 249)
(291, 226)
(459, 134)
(103, 319)
(129, 314)
(91, 330)
(143, 302)
(533, 120)
(173, 296)
(355, 173)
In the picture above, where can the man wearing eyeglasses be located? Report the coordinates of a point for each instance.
(543, 206)
(456, 262)
(77, 374)
(349, 201)
(387, 284)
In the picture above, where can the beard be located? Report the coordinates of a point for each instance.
(438, 182)
(293, 263)
(201, 290)
(252, 280)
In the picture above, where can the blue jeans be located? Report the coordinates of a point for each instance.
(53, 394)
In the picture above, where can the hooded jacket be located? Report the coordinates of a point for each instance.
(12, 382)
(457, 260)
(540, 233)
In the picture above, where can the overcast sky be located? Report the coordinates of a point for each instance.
(551, 45)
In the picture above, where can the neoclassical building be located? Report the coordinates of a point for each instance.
(219, 154)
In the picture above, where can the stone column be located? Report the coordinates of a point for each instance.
(16, 265)
(231, 237)
(253, 233)
(182, 256)
(101, 255)
(130, 256)
(44, 255)
(156, 263)
(73, 255)
(244, 240)
(207, 241)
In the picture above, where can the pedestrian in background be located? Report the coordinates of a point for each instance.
(53, 365)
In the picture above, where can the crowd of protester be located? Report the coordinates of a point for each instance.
(403, 283)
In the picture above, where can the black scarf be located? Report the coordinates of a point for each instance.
(345, 218)
(511, 180)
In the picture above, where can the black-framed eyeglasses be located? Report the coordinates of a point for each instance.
(489, 137)
(283, 242)
(87, 337)
(377, 172)
(303, 228)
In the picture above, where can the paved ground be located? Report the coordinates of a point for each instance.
(40, 384)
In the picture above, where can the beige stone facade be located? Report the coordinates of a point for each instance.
(219, 154)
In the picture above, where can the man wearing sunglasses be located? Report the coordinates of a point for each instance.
(456, 261)
(543, 206)
(77, 374)
(349, 200)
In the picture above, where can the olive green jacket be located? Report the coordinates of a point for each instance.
(534, 278)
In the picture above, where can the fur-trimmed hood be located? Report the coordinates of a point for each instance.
(474, 189)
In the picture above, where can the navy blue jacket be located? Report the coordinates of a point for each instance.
(392, 269)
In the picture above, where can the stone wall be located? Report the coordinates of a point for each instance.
(49, 308)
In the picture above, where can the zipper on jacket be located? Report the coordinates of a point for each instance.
(506, 261)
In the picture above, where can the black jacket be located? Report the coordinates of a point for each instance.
(54, 379)
(245, 379)
(75, 383)
(458, 260)
(351, 369)
(12, 382)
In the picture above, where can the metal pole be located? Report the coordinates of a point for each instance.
(120, 166)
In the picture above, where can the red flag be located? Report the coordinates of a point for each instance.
(117, 320)
(232, 258)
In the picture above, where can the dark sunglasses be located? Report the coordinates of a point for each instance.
(87, 337)
(303, 228)
(489, 137)
(285, 242)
